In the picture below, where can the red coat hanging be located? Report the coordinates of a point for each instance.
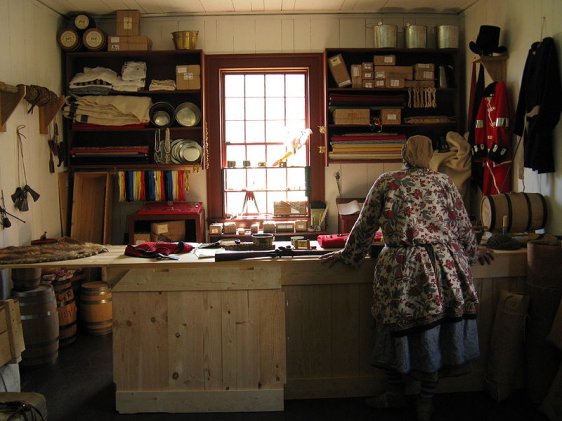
(492, 140)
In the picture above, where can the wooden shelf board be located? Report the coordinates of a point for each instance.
(47, 113)
(10, 96)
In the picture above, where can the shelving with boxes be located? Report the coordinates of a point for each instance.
(376, 98)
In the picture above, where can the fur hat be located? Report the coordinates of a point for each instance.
(487, 41)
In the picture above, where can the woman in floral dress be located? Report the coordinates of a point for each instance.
(424, 300)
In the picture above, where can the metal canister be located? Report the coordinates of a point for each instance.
(415, 36)
(447, 36)
(385, 36)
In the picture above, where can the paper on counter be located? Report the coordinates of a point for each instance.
(349, 208)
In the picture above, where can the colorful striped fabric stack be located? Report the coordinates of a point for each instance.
(153, 185)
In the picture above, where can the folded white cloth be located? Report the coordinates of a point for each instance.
(133, 70)
(162, 85)
(92, 74)
(118, 110)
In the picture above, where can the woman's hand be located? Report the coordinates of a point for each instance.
(331, 258)
(485, 255)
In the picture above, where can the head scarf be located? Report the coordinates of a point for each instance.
(417, 152)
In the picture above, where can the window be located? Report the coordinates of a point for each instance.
(258, 110)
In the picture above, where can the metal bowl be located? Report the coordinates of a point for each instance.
(185, 40)
(187, 114)
(161, 114)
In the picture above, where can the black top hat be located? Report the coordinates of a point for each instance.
(487, 41)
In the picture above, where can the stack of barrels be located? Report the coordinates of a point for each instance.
(52, 303)
(81, 34)
(39, 317)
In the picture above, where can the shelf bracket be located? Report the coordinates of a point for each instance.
(495, 66)
(10, 96)
(48, 112)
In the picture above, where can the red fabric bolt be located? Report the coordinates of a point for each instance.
(157, 249)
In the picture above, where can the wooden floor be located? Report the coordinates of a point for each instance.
(78, 387)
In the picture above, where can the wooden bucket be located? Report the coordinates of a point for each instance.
(26, 279)
(96, 308)
(524, 211)
(40, 324)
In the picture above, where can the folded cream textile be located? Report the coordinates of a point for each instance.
(162, 85)
(133, 70)
(96, 73)
(115, 110)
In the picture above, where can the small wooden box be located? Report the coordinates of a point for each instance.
(285, 226)
(391, 116)
(255, 228)
(229, 228)
(387, 60)
(269, 226)
(167, 231)
(301, 225)
(11, 333)
(215, 228)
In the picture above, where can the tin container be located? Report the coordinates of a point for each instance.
(415, 36)
(447, 36)
(385, 36)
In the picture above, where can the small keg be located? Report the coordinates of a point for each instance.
(94, 39)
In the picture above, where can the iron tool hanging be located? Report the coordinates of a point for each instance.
(19, 197)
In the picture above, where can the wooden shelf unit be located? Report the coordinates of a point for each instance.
(448, 99)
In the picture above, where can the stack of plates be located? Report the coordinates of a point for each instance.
(185, 151)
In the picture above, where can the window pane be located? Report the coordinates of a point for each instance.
(295, 177)
(255, 131)
(254, 109)
(276, 179)
(295, 108)
(298, 159)
(234, 108)
(254, 86)
(256, 179)
(295, 85)
(274, 152)
(295, 196)
(295, 126)
(261, 200)
(255, 154)
(236, 153)
(234, 85)
(235, 179)
(234, 202)
(275, 108)
(275, 85)
(274, 197)
(275, 130)
(234, 132)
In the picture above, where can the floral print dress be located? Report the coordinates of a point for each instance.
(423, 277)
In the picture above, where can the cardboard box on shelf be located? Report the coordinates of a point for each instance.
(229, 227)
(401, 72)
(368, 83)
(141, 237)
(419, 84)
(215, 228)
(386, 60)
(367, 66)
(367, 75)
(391, 116)
(301, 225)
(339, 70)
(424, 66)
(127, 22)
(167, 231)
(352, 116)
(421, 74)
(188, 76)
(129, 43)
(356, 76)
(393, 82)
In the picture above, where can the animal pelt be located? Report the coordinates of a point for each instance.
(62, 249)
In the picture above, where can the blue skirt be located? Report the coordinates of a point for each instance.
(445, 349)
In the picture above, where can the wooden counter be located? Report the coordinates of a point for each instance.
(203, 336)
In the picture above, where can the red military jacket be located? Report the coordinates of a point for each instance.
(492, 140)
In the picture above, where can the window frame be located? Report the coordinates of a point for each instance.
(313, 62)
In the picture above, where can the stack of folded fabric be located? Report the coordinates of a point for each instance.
(133, 77)
(162, 85)
(365, 146)
(118, 110)
(93, 81)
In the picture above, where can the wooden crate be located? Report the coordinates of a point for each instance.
(11, 333)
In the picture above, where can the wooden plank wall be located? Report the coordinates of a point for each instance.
(202, 342)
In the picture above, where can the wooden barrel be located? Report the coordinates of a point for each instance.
(524, 211)
(69, 39)
(66, 308)
(26, 279)
(96, 308)
(40, 324)
(94, 39)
